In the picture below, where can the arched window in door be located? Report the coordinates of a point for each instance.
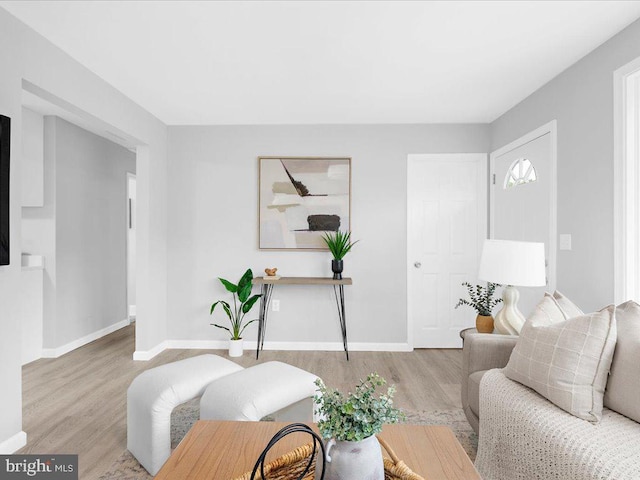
(520, 172)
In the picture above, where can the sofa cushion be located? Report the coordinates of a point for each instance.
(569, 308)
(623, 388)
(567, 362)
(474, 391)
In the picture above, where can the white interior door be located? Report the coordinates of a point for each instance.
(447, 223)
(523, 201)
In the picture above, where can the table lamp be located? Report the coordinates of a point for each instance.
(512, 264)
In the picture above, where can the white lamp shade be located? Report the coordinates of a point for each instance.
(513, 263)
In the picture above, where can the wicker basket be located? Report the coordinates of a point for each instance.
(291, 465)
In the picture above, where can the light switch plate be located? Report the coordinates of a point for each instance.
(565, 241)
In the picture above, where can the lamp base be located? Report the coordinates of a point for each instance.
(509, 320)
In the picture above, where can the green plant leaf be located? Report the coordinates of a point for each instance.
(227, 309)
(339, 243)
(220, 326)
(224, 304)
(228, 285)
(247, 324)
(245, 292)
(244, 286)
(249, 303)
(247, 277)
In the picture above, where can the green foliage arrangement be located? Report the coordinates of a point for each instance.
(339, 243)
(358, 415)
(242, 303)
(481, 298)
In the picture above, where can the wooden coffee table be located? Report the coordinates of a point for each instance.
(225, 450)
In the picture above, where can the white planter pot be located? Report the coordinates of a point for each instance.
(353, 460)
(235, 348)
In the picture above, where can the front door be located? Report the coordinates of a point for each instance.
(523, 204)
(447, 223)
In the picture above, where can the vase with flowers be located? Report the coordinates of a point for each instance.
(349, 423)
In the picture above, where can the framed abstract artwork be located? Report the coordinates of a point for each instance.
(300, 199)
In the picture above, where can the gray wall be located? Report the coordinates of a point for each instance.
(91, 231)
(85, 202)
(213, 218)
(581, 99)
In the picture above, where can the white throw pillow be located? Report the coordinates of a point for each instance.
(567, 362)
(569, 308)
(547, 312)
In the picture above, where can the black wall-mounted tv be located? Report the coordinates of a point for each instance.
(5, 144)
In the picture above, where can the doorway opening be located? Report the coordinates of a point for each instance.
(60, 229)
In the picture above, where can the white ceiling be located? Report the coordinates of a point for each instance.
(326, 62)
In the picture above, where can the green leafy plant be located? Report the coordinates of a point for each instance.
(355, 416)
(242, 303)
(339, 243)
(481, 298)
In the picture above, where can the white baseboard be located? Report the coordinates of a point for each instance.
(13, 444)
(204, 344)
(56, 352)
(303, 346)
(144, 355)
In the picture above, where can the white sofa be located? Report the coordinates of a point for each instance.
(524, 436)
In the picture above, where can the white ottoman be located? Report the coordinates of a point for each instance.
(153, 395)
(271, 388)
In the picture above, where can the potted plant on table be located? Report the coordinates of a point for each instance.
(242, 304)
(350, 423)
(339, 244)
(481, 299)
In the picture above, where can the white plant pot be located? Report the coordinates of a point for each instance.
(353, 460)
(235, 348)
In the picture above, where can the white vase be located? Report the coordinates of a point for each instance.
(353, 460)
(235, 348)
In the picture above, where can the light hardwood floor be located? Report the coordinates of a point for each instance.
(77, 403)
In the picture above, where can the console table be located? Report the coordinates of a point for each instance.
(267, 290)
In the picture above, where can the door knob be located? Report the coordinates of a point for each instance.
(417, 264)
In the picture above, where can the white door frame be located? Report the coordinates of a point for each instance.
(548, 128)
(626, 181)
(482, 160)
(130, 219)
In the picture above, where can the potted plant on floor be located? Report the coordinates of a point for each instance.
(339, 244)
(242, 304)
(350, 423)
(481, 299)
